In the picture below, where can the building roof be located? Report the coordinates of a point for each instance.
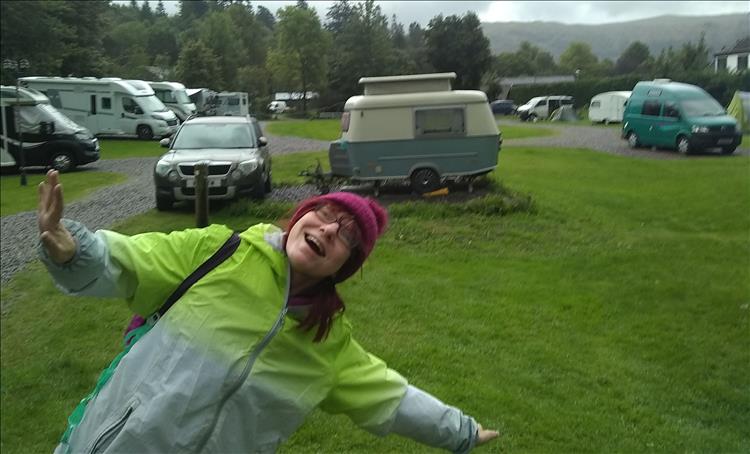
(741, 47)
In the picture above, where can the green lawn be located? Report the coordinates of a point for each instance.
(16, 198)
(310, 129)
(615, 317)
(130, 148)
(522, 132)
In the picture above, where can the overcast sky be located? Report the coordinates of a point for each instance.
(528, 11)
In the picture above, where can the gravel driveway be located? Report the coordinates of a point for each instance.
(105, 207)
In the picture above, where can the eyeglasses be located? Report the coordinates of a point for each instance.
(347, 231)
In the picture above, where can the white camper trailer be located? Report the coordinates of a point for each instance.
(232, 103)
(108, 106)
(174, 96)
(608, 107)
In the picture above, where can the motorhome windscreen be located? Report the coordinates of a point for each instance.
(701, 107)
(60, 119)
(213, 135)
(181, 97)
(151, 104)
(30, 118)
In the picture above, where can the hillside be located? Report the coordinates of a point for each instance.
(609, 40)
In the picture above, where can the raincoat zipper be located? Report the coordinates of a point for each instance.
(112, 429)
(251, 360)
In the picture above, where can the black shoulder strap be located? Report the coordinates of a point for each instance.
(226, 250)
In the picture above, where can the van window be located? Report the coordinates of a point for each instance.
(107, 103)
(742, 62)
(654, 92)
(595, 104)
(651, 108)
(165, 96)
(670, 110)
(439, 122)
(233, 101)
(566, 102)
(244, 101)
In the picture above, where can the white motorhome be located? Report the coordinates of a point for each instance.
(174, 96)
(608, 107)
(232, 103)
(49, 138)
(108, 106)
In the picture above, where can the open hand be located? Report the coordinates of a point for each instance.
(60, 245)
(485, 435)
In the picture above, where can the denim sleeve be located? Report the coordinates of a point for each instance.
(425, 419)
(90, 272)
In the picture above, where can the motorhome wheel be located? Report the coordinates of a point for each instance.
(424, 180)
(62, 162)
(144, 132)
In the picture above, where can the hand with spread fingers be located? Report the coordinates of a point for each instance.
(57, 240)
(485, 435)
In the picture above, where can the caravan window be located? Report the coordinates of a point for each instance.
(107, 103)
(442, 122)
(233, 101)
(595, 104)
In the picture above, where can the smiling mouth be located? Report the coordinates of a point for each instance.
(315, 245)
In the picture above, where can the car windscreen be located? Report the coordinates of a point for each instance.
(701, 107)
(214, 135)
(151, 104)
(181, 97)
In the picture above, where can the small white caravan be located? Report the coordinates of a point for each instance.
(174, 96)
(232, 103)
(108, 106)
(608, 107)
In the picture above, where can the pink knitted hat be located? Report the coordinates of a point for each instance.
(371, 218)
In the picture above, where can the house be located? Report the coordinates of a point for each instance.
(734, 59)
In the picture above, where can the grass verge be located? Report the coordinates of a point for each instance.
(130, 148)
(614, 317)
(16, 198)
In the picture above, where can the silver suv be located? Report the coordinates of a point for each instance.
(239, 161)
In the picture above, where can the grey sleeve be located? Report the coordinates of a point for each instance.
(423, 418)
(91, 271)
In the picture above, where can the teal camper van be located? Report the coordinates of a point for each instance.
(662, 113)
(415, 128)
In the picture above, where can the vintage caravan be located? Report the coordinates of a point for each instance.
(608, 107)
(49, 138)
(174, 96)
(108, 106)
(232, 103)
(662, 113)
(415, 127)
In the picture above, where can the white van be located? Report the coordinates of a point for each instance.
(174, 96)
(608, 107)
(49, 138)
(108, 106)
(232, 103)
(277, 106)
(541, 107)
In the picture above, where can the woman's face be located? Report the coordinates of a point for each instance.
(314, 246)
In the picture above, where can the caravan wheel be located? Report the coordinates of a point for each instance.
(425, 180)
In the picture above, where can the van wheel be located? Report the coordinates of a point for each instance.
(425, 180)
(144, 132)
(633, 141)
(533, 118)
(728, 150)
(63, 162)
(683, 145)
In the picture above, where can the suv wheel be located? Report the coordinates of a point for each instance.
(164, 203)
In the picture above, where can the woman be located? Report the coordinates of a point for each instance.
(250, 349)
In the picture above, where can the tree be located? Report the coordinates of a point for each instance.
(265, 17)
(146, 13)
(398, 37)
(219, 33)
(301, 49)
(458, 44)
(636, 56)
(197, 66)
(193, 9)
(578, 58)
(160, 10)
(82, 54)
(528, 60)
